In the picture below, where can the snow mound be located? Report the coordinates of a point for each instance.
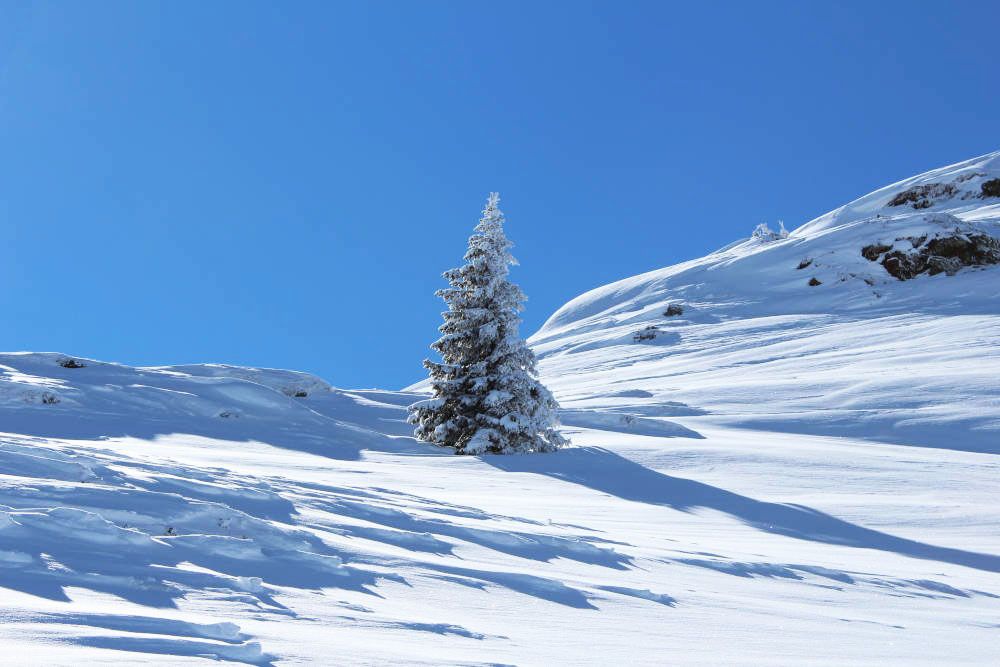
(42, 393)
(294, 384)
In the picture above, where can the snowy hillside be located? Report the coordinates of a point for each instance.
(862, 353)
(780, 473)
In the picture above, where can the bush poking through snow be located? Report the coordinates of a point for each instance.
(648, 333)
(673, 310)
(486, 398)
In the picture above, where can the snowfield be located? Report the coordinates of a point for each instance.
(781, 474)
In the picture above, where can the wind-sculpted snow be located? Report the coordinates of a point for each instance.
(779, 474)
(101, 400)
(176, 544)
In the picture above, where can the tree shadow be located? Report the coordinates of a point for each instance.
(523, 544)
(543, 588)
(602, 470)
(626, 421)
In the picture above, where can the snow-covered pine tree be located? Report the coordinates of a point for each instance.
(486, 397)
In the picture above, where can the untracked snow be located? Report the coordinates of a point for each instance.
(782, 473)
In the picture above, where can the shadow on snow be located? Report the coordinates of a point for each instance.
(604, 471)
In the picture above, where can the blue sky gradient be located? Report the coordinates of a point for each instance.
(281, 184)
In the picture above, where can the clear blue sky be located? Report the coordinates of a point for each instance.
(281, 184)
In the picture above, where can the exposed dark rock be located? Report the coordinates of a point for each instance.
(991, 188)
(940, 255)
(872, 252)
(923, 196)
(970, 249)
(69, 362)
(300, 394)
(673, 309)
(949, 265)
(903, 265)
(803, 264)
(813, 282)
(49, 398)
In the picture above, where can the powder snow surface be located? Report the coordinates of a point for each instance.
(782, 474)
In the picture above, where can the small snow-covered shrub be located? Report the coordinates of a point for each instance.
(32, 397)
(647, 333)
(765, 234)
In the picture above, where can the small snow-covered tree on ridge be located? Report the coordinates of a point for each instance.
(486, 397)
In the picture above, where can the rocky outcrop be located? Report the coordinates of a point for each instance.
(991, 188)
(943, 254)
(924, 196)
(872, 252)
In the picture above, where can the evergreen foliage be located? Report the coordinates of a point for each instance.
(486, 396)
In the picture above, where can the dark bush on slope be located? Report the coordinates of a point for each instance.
(673, 310)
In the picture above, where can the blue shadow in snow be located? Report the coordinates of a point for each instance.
(246, 654)
(607, 472)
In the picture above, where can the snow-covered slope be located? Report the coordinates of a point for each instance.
(782, 474)
(863, 353)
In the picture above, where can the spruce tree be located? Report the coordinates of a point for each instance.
(486, 397)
